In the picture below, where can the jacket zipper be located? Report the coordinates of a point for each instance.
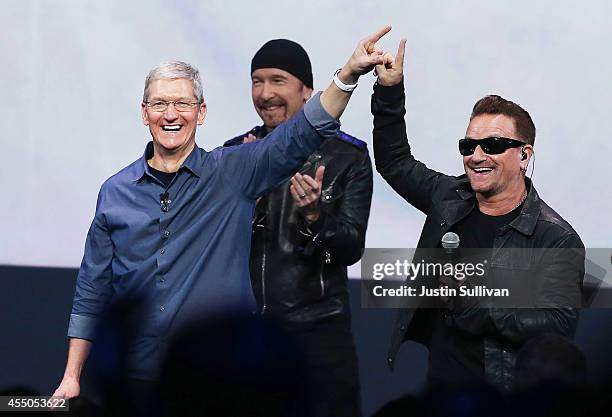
(321, 281)
(263, 280)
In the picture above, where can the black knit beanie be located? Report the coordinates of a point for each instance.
(286, 55)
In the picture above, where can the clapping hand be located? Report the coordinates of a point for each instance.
(306, 192)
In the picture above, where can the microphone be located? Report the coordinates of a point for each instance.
(450, 243)
(164, 200)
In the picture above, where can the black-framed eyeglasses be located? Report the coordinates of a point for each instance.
(491, 146)
(161, 106)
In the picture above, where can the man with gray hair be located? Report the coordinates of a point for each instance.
(172, 229)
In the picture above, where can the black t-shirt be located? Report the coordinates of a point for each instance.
(165, 177)
(456, 356)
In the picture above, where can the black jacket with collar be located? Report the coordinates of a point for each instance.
(448, 199)
(299, 271)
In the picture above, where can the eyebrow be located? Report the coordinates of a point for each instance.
(167, 99)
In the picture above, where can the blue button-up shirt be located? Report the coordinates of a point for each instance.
(190, 261)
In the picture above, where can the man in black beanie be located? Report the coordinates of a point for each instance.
(308, 230)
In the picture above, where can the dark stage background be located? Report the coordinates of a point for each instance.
(35, 306)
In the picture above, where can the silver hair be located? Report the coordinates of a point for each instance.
(173, 70)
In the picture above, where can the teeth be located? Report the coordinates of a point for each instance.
(172, 128)
(483, 169)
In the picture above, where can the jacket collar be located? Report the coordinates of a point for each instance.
(526, 221)
(456, 209)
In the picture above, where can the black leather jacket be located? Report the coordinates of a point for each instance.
(299, 272)
(446, 200)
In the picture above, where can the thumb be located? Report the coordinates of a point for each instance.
(319, 175)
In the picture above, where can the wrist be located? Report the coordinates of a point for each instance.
(71, 376)
(389, 83)
(73, 372)
(347, 76)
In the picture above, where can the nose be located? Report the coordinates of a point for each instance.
(170, 113)
(267, 91)
(479, 155)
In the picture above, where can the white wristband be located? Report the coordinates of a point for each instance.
(348, 88)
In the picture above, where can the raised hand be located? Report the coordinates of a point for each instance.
(392, 72)
(306, 192)
(365, 57)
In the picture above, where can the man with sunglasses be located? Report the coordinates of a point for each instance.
(495, 206)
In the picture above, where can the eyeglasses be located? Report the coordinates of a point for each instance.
(161, 106)
(491, 146)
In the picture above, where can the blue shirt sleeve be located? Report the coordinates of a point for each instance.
(258, 166)
(93, 286)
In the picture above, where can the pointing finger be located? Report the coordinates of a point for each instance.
(375, 37)
(399, 58)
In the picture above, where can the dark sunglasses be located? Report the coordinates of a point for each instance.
(491, 146)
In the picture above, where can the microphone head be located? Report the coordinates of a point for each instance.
(450, 240)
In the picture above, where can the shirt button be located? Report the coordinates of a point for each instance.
(162, 280)
(166, 233)
(162, 308)
(442, 223)
(162, 251)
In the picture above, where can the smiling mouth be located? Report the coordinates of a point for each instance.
(482, 170)
(171, 128)
(271, 107)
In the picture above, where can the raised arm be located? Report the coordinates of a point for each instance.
(394, 160)
(259, 166)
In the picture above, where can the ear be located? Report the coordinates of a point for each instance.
(145, 115)
(528, 149)
(306, 93)
(201, 113)
(525, 156)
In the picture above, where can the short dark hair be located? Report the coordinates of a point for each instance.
(494, 104)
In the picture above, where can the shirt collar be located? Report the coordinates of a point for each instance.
(193, 163)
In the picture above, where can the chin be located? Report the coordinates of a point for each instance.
(173, 142)
(272, 124)
(481, 188)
